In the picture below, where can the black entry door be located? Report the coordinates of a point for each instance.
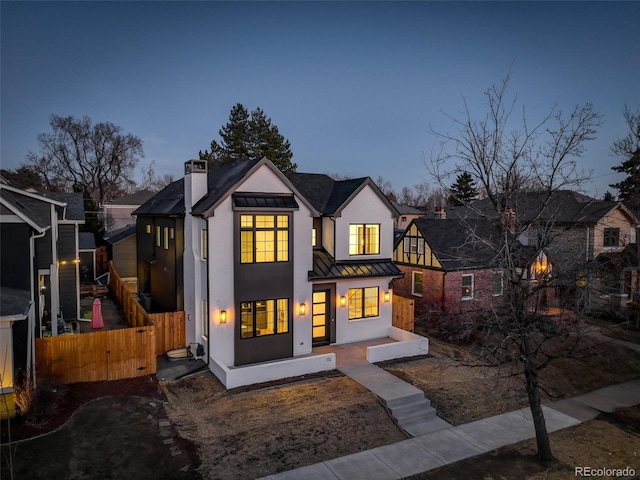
(320, 314)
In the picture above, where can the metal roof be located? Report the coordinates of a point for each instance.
(265, 201)
(325, 267)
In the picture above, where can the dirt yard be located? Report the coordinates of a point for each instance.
(250, 434)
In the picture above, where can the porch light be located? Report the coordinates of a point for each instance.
(223, 316)
(387, 297)
(343, 301)
(302, 309)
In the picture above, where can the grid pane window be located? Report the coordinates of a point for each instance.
(611, 237)
(416, 288)
(264, 238)
(264, 317)
(467, 287)
(363, 302)
(497, 285)
(364, 239)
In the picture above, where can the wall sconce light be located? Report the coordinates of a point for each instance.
(223, 316)
(387, 296)
(343, 301)
(302, 309)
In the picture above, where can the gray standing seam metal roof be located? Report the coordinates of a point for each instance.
(324, 267)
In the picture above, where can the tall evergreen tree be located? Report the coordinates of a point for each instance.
(628, 148)
(463, 190)
(248, 136)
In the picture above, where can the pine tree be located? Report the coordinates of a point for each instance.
(463, 190)
(252, 136)
(628, 147)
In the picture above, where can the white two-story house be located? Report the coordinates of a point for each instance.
(277, 264)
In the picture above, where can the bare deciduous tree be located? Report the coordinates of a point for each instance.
(507, 157)
(96, 159)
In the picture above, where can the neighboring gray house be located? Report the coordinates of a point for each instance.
(39, 262)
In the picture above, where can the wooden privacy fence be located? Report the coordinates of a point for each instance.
(97, 356)
(402, 312)
(113, 354)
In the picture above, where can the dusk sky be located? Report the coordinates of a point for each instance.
(356, 87)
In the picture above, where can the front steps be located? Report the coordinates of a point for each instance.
(415, 415)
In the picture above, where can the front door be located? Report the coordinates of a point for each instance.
(320, 314)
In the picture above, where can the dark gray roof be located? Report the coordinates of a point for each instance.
(168, 201)
(14, 302)
(221, 178)
(407, 210)
(244, 200)
(86, 241)
(137, 198)
(562, 207)
(74, 201)
(17, 205)
(323, 192)
(461, 244)
(121, 233)
(324, 267)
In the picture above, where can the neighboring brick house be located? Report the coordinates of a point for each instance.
(590, 243)
(448, 271)
(405, 215)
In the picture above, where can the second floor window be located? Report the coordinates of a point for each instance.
(467, 287)
(264, 238)
(364, 239)
(611, 237)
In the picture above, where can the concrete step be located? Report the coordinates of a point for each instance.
(392, 401)
(414, 411)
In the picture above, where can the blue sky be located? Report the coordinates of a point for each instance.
(355, 87)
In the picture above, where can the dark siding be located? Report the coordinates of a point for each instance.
(87, 259)
(67, 277)
(263, 281)
(145, 249)
(20, 344)
(164, 270)
(15, 255)
(44, 254)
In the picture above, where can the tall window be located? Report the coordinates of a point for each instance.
(314, 237)
(416, 283)
(205, 318)
(264, 238)
(467, 287)
(264, 317)
(497, 284)
(204, 244)
(363, 302)
(364, 239)
(611, 237)
(166, 238)
(158, 236)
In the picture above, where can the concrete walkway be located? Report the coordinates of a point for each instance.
(447, 444)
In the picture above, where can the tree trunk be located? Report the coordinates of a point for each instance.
(533, 392)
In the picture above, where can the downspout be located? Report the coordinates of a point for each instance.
(208, 296)
(31, 321)
(55, 292)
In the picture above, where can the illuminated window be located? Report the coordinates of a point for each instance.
(172, 233)
(205, 318)
(467, 287)
(264, 317)
(416, 283)
(166, 238)
(364, 239)
(314, 238)
(363, 302)
(148, 228)
(158, 236)
(264, 238)
(204, 245)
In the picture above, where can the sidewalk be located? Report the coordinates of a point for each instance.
(451, 444)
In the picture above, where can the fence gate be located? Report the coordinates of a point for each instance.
(402, 312)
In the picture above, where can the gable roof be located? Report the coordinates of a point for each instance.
(461, 244)
(73, 203)
(14, 303)
(329, 196)
(121, 233)
(136, 198)
(562, 207)
(168, 201)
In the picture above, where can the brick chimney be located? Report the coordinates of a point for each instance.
(440, 213)
(509, 219)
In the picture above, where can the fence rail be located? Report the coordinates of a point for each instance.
(113, 354)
